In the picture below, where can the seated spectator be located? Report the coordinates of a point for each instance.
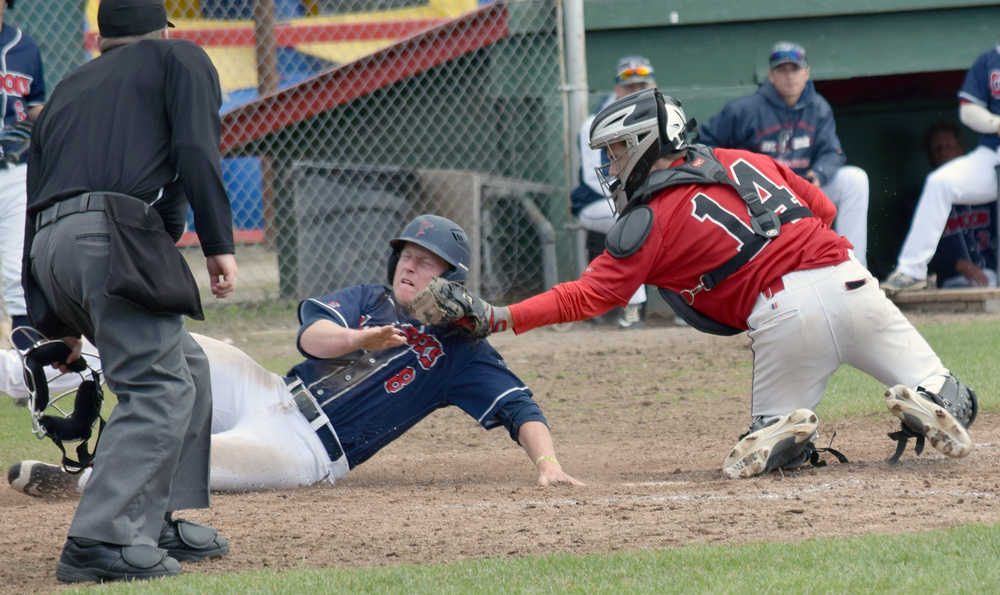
(967, 253)
(789, 121)
(588, 202)
(970, 179)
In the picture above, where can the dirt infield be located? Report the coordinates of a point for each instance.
(644, 417)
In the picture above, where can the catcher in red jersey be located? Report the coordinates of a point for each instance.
(738, 242)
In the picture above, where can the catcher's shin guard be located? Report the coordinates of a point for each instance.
(783, 442)
(940, 418)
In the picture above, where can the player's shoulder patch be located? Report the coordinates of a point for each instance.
(630, 232)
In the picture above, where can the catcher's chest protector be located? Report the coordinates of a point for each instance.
(629, 233)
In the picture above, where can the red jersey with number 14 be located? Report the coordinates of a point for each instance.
(696, 228)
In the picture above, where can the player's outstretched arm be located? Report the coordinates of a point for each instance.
(325, 339)
(448, 303)
(536, 440)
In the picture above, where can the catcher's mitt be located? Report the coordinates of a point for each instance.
(447, 302)
(15, 140)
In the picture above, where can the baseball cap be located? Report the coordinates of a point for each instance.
(785, 52)
(634, 69)
(123, 18)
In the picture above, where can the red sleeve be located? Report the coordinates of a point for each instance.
(605, 284)
(536, 311)
(818, 203)
(566, 302)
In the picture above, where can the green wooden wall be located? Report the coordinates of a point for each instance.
(709, 53)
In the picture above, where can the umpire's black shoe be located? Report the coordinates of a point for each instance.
(87, 560)
(189, 541)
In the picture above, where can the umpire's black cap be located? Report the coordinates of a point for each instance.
(124, 18)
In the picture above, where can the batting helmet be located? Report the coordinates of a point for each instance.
(651, 125)
(441, 236)
(10, 3)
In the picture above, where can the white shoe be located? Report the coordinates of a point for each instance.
(631, 317)
(925, 417)
(899, 281)
(42, 480)
(780, 443)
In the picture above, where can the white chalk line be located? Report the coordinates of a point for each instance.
(748, 493)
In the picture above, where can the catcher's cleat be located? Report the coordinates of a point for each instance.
(899, 281)
(929, 420)
(42, 480)
(782, 443)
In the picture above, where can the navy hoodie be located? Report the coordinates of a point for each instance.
(802, 136)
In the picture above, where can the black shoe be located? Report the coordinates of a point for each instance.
(86, 560)
(189, 541)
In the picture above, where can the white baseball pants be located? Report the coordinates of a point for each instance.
(13, 202)
(824, 318)
(967, 180)
(259, 438)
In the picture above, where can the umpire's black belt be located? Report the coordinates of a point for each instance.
(313, 413)
(81, 203)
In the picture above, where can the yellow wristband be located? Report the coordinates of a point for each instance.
(546, 458)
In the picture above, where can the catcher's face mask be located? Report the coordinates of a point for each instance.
(50, 414)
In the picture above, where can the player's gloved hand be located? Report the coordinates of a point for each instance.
(446, 302)
(16, 140)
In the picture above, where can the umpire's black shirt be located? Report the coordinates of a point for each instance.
(140, 118)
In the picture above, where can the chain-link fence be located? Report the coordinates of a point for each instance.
(344, 119)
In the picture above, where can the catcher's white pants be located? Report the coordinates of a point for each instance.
(848, 191)
(802, 334)
(259, 438)
(967, 180)
(598, 216)
(13, 202)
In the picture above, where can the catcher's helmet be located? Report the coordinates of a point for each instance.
(651, 125)
(441, 236)
(50, 413)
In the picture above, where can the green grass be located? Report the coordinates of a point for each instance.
(960, 560)
(968, 349)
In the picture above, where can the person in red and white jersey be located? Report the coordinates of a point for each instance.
(738, 242)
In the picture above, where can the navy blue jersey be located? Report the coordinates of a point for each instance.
(982, 87)
(23, 80)
(436, 368)
(971, 234)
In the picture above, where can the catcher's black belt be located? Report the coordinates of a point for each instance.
(313, 413)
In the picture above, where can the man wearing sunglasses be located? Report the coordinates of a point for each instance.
(789, 121)
(588, 202)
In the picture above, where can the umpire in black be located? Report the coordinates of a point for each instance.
(125, 143)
